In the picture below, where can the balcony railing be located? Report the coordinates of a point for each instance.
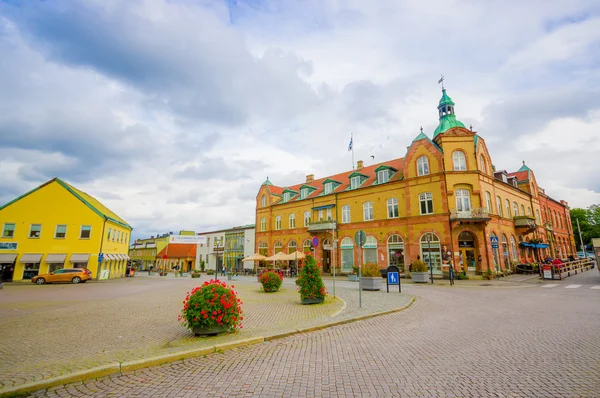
(527, 222)
(324, 225)
(475, 215)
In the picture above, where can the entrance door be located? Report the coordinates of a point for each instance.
(467, 260)
(6, 272)
(326, 261)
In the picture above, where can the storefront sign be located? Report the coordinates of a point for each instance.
(195, 239)
(466, 243)
(8, 245)
(104, 274)
(547, 272)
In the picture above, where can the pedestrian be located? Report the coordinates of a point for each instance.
(410, 267)
(223, 271)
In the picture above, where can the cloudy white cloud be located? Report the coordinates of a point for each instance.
(174, 112)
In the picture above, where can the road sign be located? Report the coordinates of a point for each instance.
(315, 241)
(100, 257)
(494, 241)
(360, 238)
(393, 278)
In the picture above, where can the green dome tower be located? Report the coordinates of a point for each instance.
(447, 117)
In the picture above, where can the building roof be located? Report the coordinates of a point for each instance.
(178, 250)
(447, 120)
(344, 179)
(91, 202)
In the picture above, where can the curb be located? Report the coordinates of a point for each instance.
(131, 366)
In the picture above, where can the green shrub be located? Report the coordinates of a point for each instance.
(271, 281)
(210, 272)
(195, 274)
(462, 276)
(355, 270)
(370, 270)
(419, 266)
(309, 282)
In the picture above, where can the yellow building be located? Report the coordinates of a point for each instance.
(57, 226)
(143, 252)
(443, 201)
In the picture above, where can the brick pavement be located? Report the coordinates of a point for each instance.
(130, 319)
(455, 342)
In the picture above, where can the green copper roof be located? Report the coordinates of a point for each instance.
(524, 167)
(446, 123)
(267, 182)
(421, 136)
(445, 100)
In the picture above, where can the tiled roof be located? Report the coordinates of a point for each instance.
(344, 178)
(178, 250)
(521, 175)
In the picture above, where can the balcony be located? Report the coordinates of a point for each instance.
(525, 222)
(474, 215)
(324, 225)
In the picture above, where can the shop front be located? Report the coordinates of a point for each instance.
(31, 265)
(55, 262)
(467, 252)
(7, 266)
(79, 260)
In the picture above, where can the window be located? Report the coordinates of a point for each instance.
(328, 188)
(482, 164)
(426, 200)
(528, 210)
(345, 214)
(354, 182)
(306, 246)
(460, 163)
(303, 193)
(515, 183)
(263, 201)
(422, 166)
(320, 215)
(278, 222)
(431, 252)
(392, 208)
(263, 227)
(306, 218)
(347, 247)
(488, 202)
(277, 246)
(383, 176)
(463, 200)
(367, 211)
(537, 214)
(499, 205)
(523, 210)
(85, 232)
(286, 196)
(370, 250)
(292, 220)
(9, 230)
(515, 209)
(292, 247)
(329, 214)
(126, 236)
(35, 230)
(505, 254)
(61, 231)
(263, 249)
(118, 235)
(507, 205)
(513, 246)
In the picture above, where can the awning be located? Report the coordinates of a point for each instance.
(8, 258)
(118, 257)
(525, 244)
(31, 258)
(55, 258)
(323, 207)
(541, 245)
(79, 258)
(108, 256)
(126, 257)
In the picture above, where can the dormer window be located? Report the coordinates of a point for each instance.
(383, 176)
(286, 196)
(354, 182)
(515, 183)
(504, 178)
(303, 193)
(328, 188)
(263, 201)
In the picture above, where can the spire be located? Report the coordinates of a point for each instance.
(446, 113)
(267, 182)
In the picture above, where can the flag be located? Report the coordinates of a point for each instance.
(350, 145)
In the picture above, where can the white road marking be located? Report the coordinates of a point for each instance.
(549, 285)
(572, 286)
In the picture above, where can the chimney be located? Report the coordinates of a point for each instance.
(310, 178)
(359, 165)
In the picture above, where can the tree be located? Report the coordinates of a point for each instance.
(589, 221)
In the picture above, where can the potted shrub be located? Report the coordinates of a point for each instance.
(196, 274)
(489, 274)
(271, 281)
(353, 277)
(202, 265)
(210, 272)
(309, 282)
(420, 272)
(370, 277)
(211, 309)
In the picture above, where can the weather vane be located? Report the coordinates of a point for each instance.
(441, 81)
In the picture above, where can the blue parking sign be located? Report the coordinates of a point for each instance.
(393, 278)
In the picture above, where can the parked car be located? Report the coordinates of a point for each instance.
(73, 275)
(587, 254)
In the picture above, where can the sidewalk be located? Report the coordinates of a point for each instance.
(53, 332)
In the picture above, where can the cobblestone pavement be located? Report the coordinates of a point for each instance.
(53, 330)
(464, 341)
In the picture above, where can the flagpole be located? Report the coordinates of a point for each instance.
(352, 142)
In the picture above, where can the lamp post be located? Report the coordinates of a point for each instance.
(428, 238)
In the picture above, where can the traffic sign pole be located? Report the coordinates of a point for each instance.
(360, 237)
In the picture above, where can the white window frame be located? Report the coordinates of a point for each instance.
(81, 231)
(499, 205)
(488, 201)
(423, 166)
(263, 201)
(108, 235)
(31, 230)
(459, 161)
(286, 196)
(482, 164)
(306, 218)
(354, 182)
(383, 176)
(328, 215)
(522, 210)
(463, 200)
(392, 208)
(507, 206)
(368, 214)
(56, 231)
(320, 215)
(327, 188)
(427, 198)
(515, 209)
(292, 220)
(4, 230)
(303, 193)
(263, 225)
(277, 223)
(345, 214)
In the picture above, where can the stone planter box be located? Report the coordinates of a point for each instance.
(270, 290)
(353, 278)
(198, 331)
(313, 301)
(195, 275)
(369, 283)
(420, 277)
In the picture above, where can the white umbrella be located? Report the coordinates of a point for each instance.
(280, 256)
(255, 257)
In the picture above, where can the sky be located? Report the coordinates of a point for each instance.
(173, 113)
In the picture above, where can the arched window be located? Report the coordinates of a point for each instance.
(263, 224)
(422, 166)
(528, 210)
(263, 249)
(488, 202)
(263, 201)
(505, 252)
(277, 247)
(292, 220)
(513, 247)
(495, 255)
(515, 209)
(306, 218)
(463, 200)
(507, 203)
(368, 211)
(347, 247)
(292, 246)
(345, 214)
(306, 246)
(499, 205)
(459, 160)
(431, 250)
(522, 210)
(278, 222)
(370, 250)
(537, 215)
(482, 164)
(392, 208)
(395, 249)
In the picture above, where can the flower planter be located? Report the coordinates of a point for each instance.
(198, 331)
(353, 278)
(420, 277)
(270, 290)
(317, 300)
(370, 283)
(195, 275)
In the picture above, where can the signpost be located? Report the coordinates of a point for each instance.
(360, 238)
(494, 242)
(393, 278)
